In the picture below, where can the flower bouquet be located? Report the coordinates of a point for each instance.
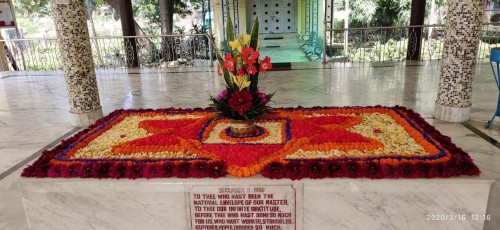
(241, 101)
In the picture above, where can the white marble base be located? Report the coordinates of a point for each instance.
(85, 119)
(321, 204)
(452, 114)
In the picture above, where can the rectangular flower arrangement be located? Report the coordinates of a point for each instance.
(320, 142)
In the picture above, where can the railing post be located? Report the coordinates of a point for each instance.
(128, 27)
(4, 63)
(324, 41)
(415, 33)
(210, 51)
(18, 35)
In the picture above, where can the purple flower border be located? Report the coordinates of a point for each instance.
(459, 164)
(131, 169)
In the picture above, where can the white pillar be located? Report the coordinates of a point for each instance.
(76, 57)
(464, 21)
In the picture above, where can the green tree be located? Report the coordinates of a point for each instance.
(364, 13)
(32, 8)
(391, 12)
(159, 13)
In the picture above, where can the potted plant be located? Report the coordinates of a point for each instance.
(241, 101)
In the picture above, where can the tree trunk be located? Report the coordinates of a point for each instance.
(167, 23)
(164, 11)
(94, 34)
(128, 28)
(138, 30)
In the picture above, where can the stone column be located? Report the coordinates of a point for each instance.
(76, 57)
(464, 21)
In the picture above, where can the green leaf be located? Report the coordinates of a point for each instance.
(225, 72)
(254, 81)
(254, 39)
(229, 30)
(270, 96)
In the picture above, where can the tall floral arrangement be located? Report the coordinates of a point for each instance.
(240, 67)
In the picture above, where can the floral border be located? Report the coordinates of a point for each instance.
(45, 166)
(457, 163)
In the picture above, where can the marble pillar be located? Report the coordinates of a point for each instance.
(464, 21)
(76, 56)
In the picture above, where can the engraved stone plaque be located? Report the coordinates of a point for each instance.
(245, 207)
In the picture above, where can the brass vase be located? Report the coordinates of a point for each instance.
(241, 128)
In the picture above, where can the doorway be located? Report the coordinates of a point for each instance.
(275, 16)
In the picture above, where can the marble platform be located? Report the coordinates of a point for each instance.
(34, 112)
(320, 204)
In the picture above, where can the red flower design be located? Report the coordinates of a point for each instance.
(229, 62)
(241, 101)
(249, 55)
(217, 159)
(219, 71)
(265, 64)
(240, 72)
(251, 70)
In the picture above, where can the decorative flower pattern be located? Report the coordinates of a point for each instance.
(373, 142)
(229, 62)
(265, 64)
(250, 56)
(241, 101)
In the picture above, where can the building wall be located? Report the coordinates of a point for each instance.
(301, 11)
(217, 11)
(245, 25)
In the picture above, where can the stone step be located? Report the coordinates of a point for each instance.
(288, 39)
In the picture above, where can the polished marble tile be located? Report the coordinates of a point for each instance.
(34, 108)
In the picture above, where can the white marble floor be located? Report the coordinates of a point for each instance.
(34, 107)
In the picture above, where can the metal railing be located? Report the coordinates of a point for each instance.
(378, 44)
(372, 44)
(166, 51)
